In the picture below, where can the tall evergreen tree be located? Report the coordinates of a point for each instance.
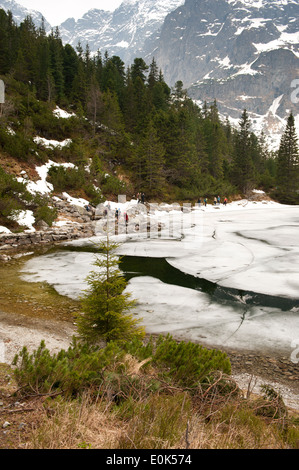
(56, 58)
(244, 177)
(70, 68)
(151, 159)
(288, 164)
(8, 38)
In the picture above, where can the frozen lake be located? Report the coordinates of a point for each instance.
(224, 276)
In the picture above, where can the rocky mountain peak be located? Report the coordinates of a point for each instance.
(243, 53)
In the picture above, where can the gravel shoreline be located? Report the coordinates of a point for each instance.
(249, 370)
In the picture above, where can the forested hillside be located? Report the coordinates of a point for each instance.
(125, 122)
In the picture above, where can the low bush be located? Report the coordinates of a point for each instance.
(83, 366)
(13, 195)
(69, 372)
(185, 363)
(45, 213)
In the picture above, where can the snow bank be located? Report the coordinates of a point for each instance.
(4, 229)
(52, 143)
(61, 113)
(42, 186)
(75, 201)
(26, 219)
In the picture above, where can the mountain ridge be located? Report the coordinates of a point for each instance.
(219, 49)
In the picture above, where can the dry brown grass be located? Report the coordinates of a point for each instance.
(162, 421)
(168, 419)
(75, 425)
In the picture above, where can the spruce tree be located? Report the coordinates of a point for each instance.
(288, 165)
(151, 158)
(244, 177)
(106, 308)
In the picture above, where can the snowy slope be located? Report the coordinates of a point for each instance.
(122, 32)
(20, 12)
(243, 53)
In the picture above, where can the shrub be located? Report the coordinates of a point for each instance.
(94, 194)
(17, 145)
(45, 213)
(13, 194)
(187, 364)
(69, 372)
(112, 185)
(66, 179)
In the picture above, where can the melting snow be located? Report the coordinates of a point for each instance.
(251, 246)
(52, 143)
(61, 113)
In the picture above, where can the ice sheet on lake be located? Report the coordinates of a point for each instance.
(247, 247)
(65, 271)
(253, 250)
(190, 315)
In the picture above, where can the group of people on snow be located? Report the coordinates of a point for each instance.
(217, 201)
(140, 198)
(117, 216)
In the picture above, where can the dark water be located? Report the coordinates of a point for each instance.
(159, 268)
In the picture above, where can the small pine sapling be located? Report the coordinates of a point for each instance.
(105, 307)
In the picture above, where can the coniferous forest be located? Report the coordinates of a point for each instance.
(127, 131)
(129, 123)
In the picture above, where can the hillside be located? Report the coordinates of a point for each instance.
(78, 130)
(242, 53)
(116, 131)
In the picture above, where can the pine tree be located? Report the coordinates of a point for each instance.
(8, 38)
(153, 75)
(243, 165)
(215, 141)
(106, 308)
(56, 55)
(151, 159)
(94, 102)
(288, 164)
(70, 68)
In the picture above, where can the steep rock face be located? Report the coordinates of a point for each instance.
(20, 12)
(219, 37)
(122, 32)
(243, 53)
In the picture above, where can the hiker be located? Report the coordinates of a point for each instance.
(218, 200)
(116, 214)
(215, 201)
(225, 201)
(199, 202)
(205, 201)
(138, 198)
(142, 198)
(126, 217)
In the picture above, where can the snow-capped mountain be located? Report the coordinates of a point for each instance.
(122, 32)
(20, 12)
(243, 53)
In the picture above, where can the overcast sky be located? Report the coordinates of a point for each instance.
(56, 11)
